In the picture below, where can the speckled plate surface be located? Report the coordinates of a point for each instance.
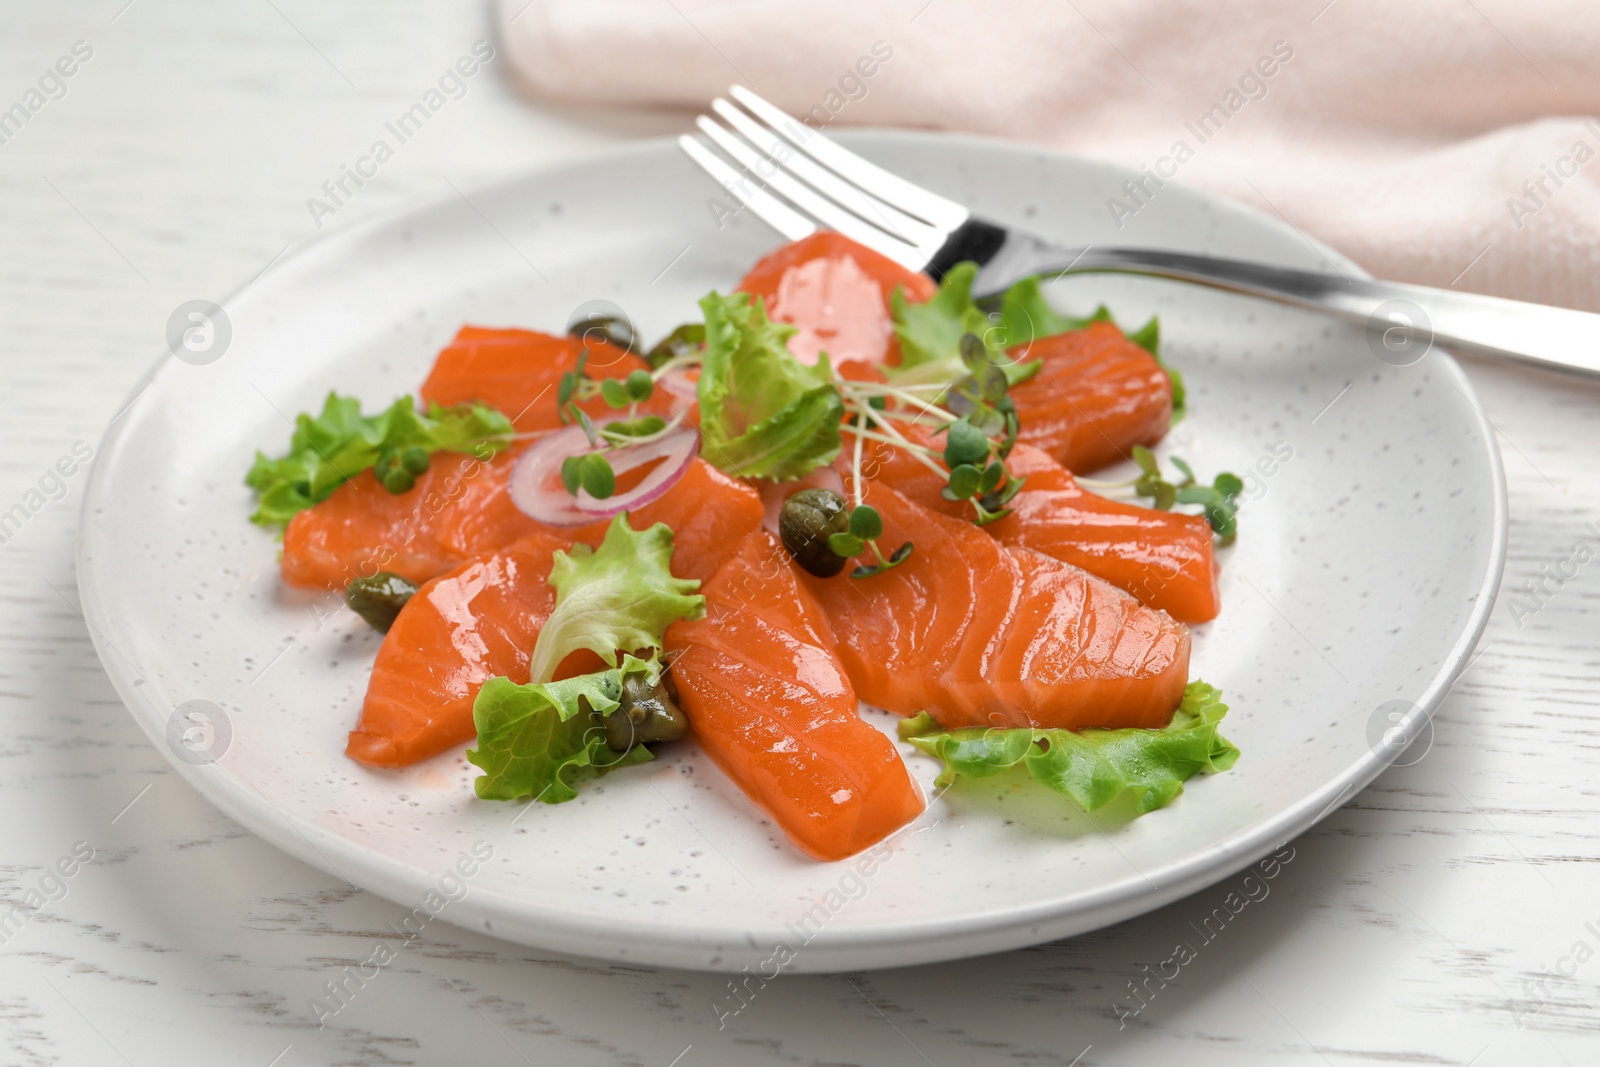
(1372, 540)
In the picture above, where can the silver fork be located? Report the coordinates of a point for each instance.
(795, 178)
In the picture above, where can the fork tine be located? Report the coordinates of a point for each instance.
(809, 201)
(884, 216)
(772, 211)
(890, 188)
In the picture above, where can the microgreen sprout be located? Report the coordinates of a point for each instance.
(976, 417)
(576, 386)
(866, 526)
(1218, 501)
(571, 385)
(628, 431)
(590, 471)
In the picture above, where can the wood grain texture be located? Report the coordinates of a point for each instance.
(1421, 923)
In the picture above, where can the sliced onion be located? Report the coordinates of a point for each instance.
(680, 384)
(537, 491)
(535, 484)
(675, 451)
(773, 494)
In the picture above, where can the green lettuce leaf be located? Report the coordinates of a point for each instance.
(1148, 337)
(1026, 315)
(621, 596)
(931, 331)
(335, 446)
(763, 413)
(1091, 767)
(534, 740)
(928, 332)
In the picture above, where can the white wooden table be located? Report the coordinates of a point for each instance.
(1446, 915)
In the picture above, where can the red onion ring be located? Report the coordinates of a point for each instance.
(679, 384)
(675, 451)
(537, 491)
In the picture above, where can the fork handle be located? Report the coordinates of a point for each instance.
(1402, 321)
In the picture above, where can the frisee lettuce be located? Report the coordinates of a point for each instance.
(328, 450)
(619, 597)
(763, 413)
(1091, 767)
(534, 740)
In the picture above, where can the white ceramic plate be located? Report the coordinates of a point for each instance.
(1363, 576)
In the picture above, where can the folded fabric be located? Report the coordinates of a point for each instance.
(1447, 142)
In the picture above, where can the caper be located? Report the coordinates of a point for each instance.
(689, 337)
(612, 329)
(414, 458)
(805, 523)
(378, 598)
(645, 715)
(398, 480)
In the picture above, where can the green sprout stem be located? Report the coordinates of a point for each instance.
(895, 436)
(686, 361)
(1096, 483)
(672, 425)
(916, 450)
(855, 468)
(923, 405)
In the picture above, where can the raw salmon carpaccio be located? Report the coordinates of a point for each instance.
(481, 619)
(1097, 394)
(518, 373)
(439, 523)
(1095, 397)
(981, 634)
(458, 511)
(458, 508)
(459, 630)
(770, 703)
(836, 293)
(1164, 558)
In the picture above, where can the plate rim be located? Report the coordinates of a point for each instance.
(900, 943)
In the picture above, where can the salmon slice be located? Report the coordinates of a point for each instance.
(981, 634)
(482, 618)
(456, 511)
(772, 706)
(477, 622)
(1164, 558)
(708, 513)
(518, 371)
(1096, 396)
(458, 508)
(836, 292)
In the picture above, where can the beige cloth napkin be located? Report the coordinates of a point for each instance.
(1447, 142)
